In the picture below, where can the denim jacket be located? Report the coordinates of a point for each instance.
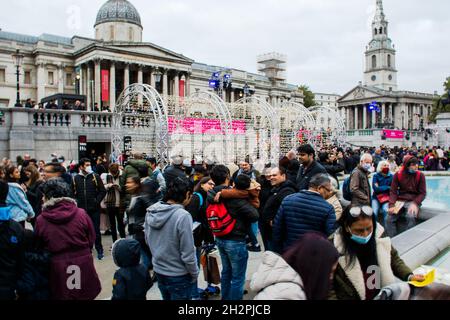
(21, 209)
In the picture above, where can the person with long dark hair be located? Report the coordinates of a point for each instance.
(21, 209)
(197, 209)
(368, 261)
(304, 272)
(34, 193)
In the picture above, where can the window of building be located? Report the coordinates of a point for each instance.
(27, 77)
(381, 30)
(2, 75)
(389, 61)
(374, 61)
(51, 80)
(69, 80)
(376, 31)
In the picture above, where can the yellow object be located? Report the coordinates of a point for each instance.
(429, 278)
(114, 282)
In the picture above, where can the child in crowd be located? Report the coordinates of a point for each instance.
(132, 281)
(33, 284)
(245, 188)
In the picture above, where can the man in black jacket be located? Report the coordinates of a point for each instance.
(233, 247)
(11, 248)
(309, 166)
(89, 191)
(176, 170)
(281, 188)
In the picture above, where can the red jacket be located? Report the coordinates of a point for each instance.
(407, 187)
(68, 234)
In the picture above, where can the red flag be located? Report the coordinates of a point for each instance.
(105, 85)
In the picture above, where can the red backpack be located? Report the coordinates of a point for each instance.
(220, 221)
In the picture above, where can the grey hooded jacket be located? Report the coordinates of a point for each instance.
(168, 233)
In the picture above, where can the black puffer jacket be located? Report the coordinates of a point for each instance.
(277, 195)
(304, 175)
(132, 280)
(173, 172)
(11, 252)
(240, 209)
(89, 191)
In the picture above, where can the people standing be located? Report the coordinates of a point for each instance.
(11, 248)
(157, 175)
(168, 232)
(309, 166)
(89, 191)
(20, 208)
(303, 212)
(281, 188)
(111, 201)
(232, 246)
(67, 232)
(359, 182)
(143, 195)
(34, 193)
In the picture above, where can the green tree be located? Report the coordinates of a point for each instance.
(309, 96)
(441, 104)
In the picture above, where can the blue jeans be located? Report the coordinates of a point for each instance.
(376, 206)
(401, 222)
(234, 257)
(175, 288)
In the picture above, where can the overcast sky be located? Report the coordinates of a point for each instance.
(324, 40)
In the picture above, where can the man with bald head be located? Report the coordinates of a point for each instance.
(359, 182)
(281, 188)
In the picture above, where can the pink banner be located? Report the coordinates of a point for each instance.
(203, 126)
(394, 134)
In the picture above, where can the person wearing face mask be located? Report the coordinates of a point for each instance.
(408, 187)
(89, 191)
(359, 182)
(303, 212)
(381, 183)
(368, 262)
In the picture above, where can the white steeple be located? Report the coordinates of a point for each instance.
(380, 54)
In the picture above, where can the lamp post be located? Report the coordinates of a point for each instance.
(77, 83)
(18, 60)
(158, 75)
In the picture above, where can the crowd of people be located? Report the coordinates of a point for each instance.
(319, 242)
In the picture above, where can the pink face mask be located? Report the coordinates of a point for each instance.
(385, 170)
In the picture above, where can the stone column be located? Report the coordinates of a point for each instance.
(140, 80)
(112, 86)
(61, 67)
(232, 96)
(152, 78)
(364, 108)
(126, 76)
(177, 85)
(390, 113)
(40, 81)
(187, 85)
(356, 127)
(98, 84)
(89, 88)
(81, 81)
(374, 118)
(165, 83)
(383, 113)
(347, 117)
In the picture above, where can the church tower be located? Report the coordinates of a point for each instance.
(380, 55)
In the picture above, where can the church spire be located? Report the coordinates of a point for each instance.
(380, 24)
(379, 15)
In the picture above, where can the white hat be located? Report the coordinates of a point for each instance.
(177, 160)
(187, 163)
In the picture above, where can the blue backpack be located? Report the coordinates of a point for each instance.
(200, 198)
(346, 192)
